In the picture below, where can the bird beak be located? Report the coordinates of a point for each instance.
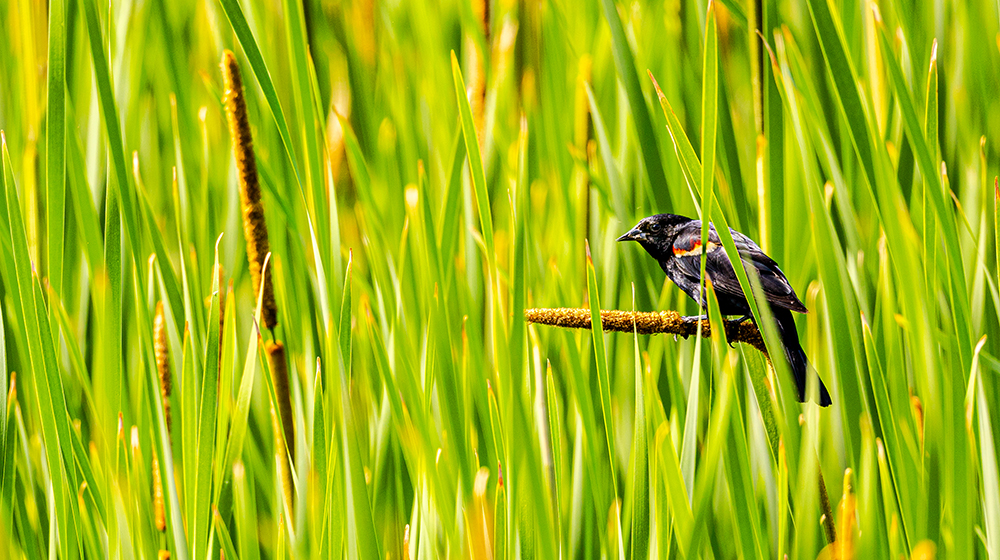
(633, 235)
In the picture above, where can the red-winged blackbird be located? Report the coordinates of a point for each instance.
(675, 242)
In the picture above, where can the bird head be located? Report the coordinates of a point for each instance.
(656, 233)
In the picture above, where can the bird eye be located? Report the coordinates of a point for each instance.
(653, 228)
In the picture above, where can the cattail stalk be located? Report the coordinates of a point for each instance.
(662, 322)
(258, 246)
(162, 360)
(284, 431)
(254, 227)
(159, 514)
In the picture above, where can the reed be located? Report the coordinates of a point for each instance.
(284, 429)
(254, 225)
(160, 353)
(644, 322)
(159, 514)
(258, 246)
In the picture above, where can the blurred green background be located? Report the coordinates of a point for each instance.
(855, 140)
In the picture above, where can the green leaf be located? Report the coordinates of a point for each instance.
(224, 539)
(603, 380)
(990, 472)
(49, 395)
(677, 494)
(116, 142)
(648, 145)
(845, 80)
(246, 513)
(363, 539)
(55, 140)
(640, 460)
(207, 412)
(252, 51)
(475, 161)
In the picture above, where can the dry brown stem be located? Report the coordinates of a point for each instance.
(285, 432)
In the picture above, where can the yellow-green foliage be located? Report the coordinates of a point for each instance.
(430, 169)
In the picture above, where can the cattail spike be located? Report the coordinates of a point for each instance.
(662, 322)
(159, 515)
(162, 359)
(254, 226)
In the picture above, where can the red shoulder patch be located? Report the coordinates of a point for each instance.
(694, 249)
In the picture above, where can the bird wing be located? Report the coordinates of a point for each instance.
(687, 252)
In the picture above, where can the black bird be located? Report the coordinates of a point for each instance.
(675, 242)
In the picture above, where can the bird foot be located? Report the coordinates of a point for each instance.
(740, 321)
(692, 319)
(735, 323)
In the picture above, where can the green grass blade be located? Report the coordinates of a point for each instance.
(363, 540)
(845, 80)
(475, 160)
(709, 131)
(677, 494)
(990, 472)
(639, 540)
(55, 139)
(960, 305)
(49, 395)
(238, 20)
(112, 127)
(600, 355)
(717, 435)
(648, 145)
(301, 69)
(4, 385)
(246, 513)
(207, 412)
(225, 540)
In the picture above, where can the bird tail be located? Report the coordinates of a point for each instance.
(796, 356)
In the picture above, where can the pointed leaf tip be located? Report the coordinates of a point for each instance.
(656, 86)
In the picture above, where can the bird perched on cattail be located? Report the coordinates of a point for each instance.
(675, 242)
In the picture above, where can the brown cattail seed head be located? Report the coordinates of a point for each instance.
(254, 227)
(159, 514)
(162, 359)
(644, 322)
